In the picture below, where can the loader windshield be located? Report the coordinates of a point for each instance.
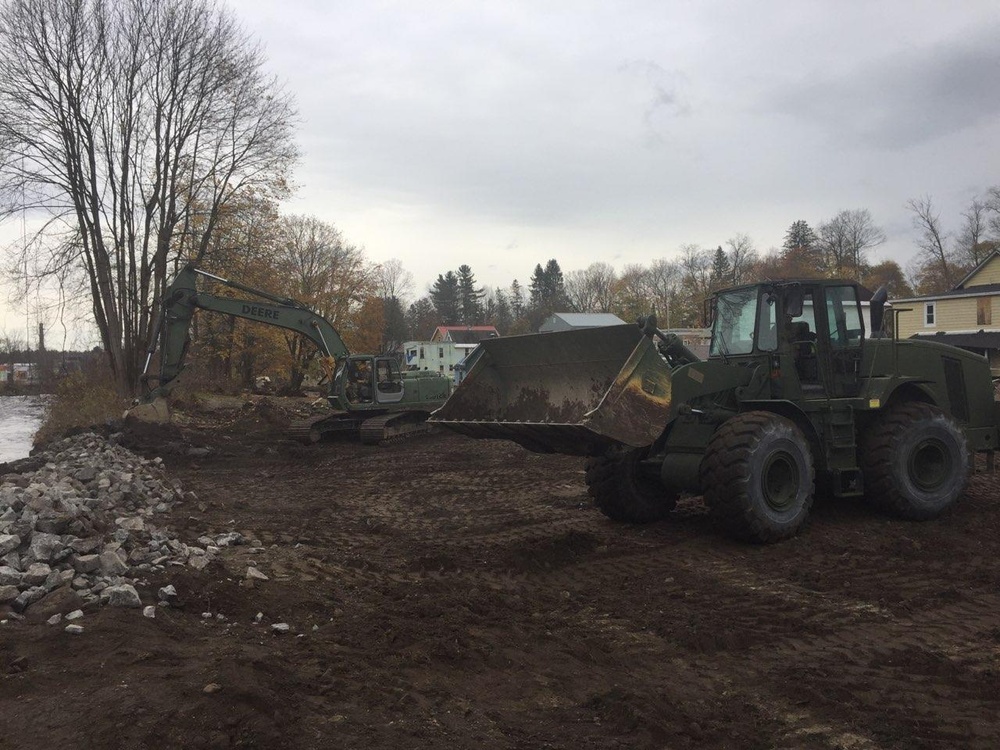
(735, 316)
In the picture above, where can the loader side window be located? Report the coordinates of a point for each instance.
(767, 324)
(735, 316)
(843, 317)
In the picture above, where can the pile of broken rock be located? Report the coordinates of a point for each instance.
(83, 522)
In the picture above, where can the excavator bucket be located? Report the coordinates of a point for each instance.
(574, 392)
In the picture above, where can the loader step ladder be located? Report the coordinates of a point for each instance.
(843, 453)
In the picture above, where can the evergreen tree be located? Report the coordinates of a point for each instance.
(421, 319)
(470, 297)
(548, 289)
(499, 312)
(799, 235)
(516, 299)
(722, 270)
(446, 298)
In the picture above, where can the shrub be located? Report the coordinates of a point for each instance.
(81, 400)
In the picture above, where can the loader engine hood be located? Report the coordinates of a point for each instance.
(574, 392)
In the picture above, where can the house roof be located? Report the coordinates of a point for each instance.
(971, 291)
(977, 340)
(977, 269)
(463, 334)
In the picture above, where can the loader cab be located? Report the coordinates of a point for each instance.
(365, 382)
(808, 334)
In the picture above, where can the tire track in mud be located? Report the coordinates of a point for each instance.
(850, 659)
(853, 635)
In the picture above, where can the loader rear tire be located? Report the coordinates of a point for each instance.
(624, 491)
(915, 460)
(758, 477)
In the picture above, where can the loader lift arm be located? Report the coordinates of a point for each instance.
(182, 299)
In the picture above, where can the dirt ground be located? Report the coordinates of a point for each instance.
(449, 593)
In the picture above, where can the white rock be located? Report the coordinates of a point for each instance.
(74, 629)
(55, 619)
(280, 627)
(112, 564)
(167, 592)
(76, 614)
(256, 575)
(149, 612)
(44, 546)
(131, 524)
(122, 595)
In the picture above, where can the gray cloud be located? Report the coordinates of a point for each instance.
(906, 98)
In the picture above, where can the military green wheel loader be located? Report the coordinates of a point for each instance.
(793, 396)
(369, 394)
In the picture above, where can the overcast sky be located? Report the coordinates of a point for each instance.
(504, 134)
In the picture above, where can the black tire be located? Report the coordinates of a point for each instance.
(624, 491)
(915, 460)
(758, 477)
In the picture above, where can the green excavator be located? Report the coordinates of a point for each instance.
(369, 394)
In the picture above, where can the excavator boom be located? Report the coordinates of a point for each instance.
(182, 299)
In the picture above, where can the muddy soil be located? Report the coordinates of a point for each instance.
(442, 592)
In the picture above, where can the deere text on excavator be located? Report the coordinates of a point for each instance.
(369, 394)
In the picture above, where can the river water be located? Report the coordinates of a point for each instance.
(20, 417)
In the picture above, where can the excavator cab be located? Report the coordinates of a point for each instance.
(365, 382)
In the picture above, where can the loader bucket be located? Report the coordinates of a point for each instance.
(574, 392)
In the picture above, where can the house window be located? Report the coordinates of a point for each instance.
(440, 352)
(929, 314)
(984, 311)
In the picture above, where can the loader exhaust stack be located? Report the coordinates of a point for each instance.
(573, 392)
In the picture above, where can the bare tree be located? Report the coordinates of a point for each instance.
(592, 289)
(992, 202)
(742, 257)
(131, 126)
(634, 294)
(316, 266)
(393, 281)
(696, 280)
(969, 244)
(10, 347)
(932, 241)
(664, 283)
(845, 241)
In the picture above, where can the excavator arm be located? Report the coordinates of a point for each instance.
(182, 299)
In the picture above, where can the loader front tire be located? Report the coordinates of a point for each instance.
(915, 461)
(758, 479)
(624, 490)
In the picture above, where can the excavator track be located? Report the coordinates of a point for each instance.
(396, 426)
(312, 430)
